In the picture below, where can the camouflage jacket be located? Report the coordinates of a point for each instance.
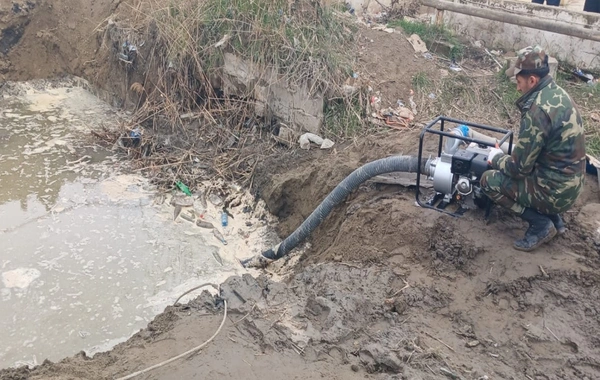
(551, 143)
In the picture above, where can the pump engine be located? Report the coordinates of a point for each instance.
(461, 161)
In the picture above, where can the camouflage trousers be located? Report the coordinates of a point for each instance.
(518, 194)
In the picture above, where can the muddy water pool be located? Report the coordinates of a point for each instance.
(88, 255)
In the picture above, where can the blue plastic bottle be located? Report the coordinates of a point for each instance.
(224, 219)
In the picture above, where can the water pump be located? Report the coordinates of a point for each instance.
(462, 159)
(456, 173)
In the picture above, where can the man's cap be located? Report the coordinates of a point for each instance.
(529, 58)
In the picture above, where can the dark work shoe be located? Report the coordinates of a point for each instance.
(541, 230)
(558, 223)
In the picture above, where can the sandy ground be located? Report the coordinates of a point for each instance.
(383, 290)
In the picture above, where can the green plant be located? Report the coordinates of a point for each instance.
(420, 81)
(344, 116)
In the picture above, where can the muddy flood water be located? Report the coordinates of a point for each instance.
(89, 253)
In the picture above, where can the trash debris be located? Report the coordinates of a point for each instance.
(223, 40)
(307, 138)
(217, 257)
(215, 199)
(176, 212)
(413, 105)
(204, 224)
(398, 118)
(224, 219)
(417, 43)
(199, 208)
(219, 236)
(182, 200)
(350, 8)
(133, 140)
(431, 96)
(493, 58)
(286, 135)
(327, 144)
(449, 373)
(592, 165)
(349, 90)
(586, 77)
(428, 56)
(375, 102)
(128, 52)
(478, 44)
(383, 29)
(355, 75)
(473, 343)
(187, 218)
(183, 188)
(189, 115)
(455, 67)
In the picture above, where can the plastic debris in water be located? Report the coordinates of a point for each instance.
(218, 257)
(219, 236)
(176, 212)
(224, 219)
(204, 224)
(454, 67)
(183, 188)
(215, 199)
(187, 217)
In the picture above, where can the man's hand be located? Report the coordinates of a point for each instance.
(493, 153)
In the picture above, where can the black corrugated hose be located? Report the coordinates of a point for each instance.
(342, 190)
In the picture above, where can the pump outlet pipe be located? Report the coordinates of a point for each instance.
(408, 164)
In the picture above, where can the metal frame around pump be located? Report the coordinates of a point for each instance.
(441, 120)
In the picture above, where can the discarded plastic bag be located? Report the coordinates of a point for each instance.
(307, 138)
(327, 144)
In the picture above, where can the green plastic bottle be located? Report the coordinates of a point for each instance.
(183, 188)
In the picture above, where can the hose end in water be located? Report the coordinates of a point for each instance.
(257, 261)
(262, 260)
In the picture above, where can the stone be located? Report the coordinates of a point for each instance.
(473, 343)
(400, 306)
(375, 354)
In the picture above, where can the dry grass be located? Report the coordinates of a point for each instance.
(178, 72)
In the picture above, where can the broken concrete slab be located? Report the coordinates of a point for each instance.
(417, 43)
(441, 48)
(294, 106)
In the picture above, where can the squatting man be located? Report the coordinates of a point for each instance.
(544, 175)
